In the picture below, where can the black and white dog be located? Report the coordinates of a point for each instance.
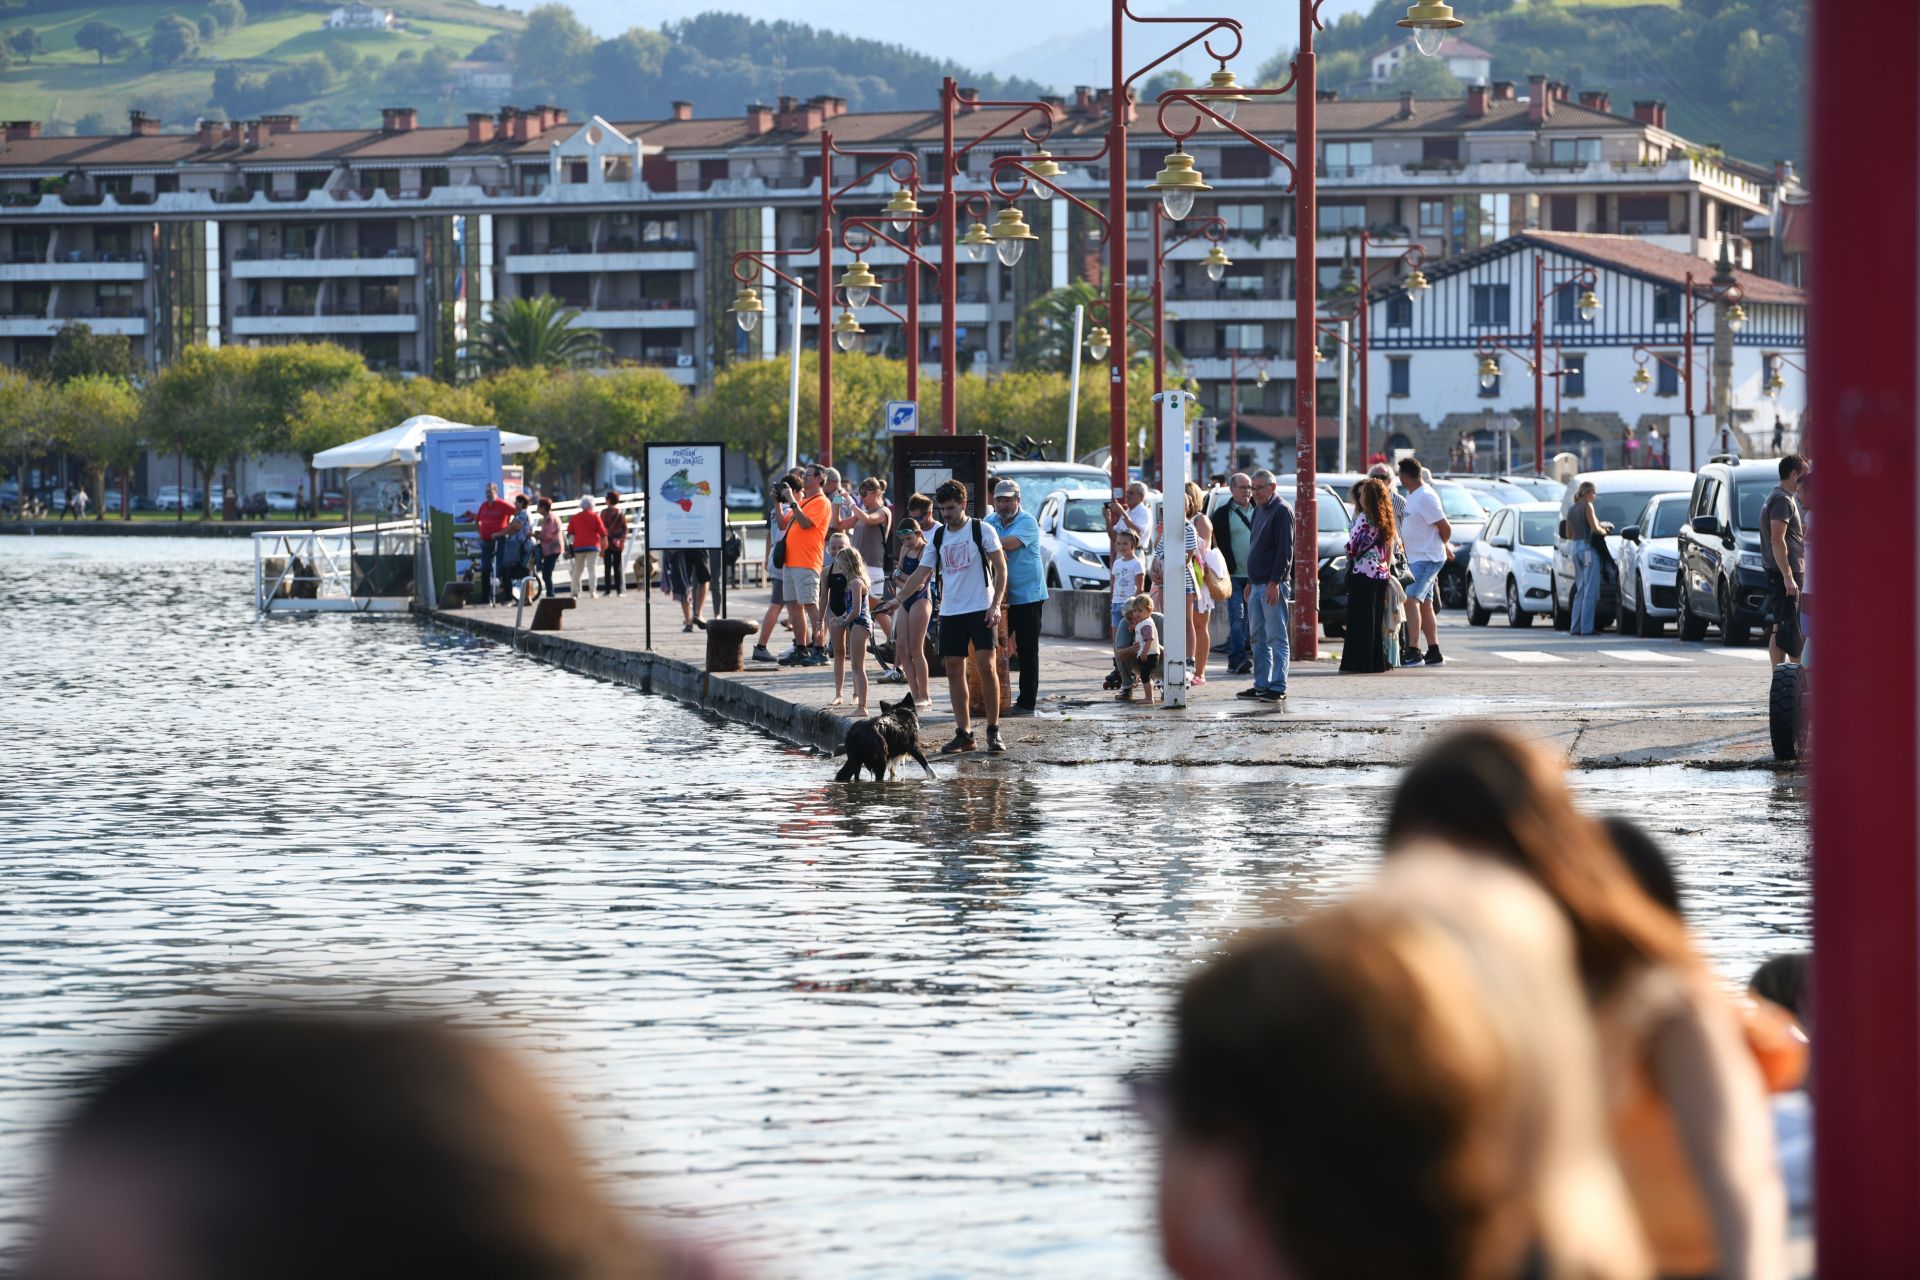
(878, 743)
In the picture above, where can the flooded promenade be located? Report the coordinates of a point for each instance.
(844, 1031)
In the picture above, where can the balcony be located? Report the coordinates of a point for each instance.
(251, 264)
(670, 255)
(76, 265)
(126, 322)
(639, 313)
(1248, 304)
(1481, 175)
(295, 321)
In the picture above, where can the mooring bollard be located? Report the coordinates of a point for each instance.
(725, 638)
(453, 595)
(546, 614)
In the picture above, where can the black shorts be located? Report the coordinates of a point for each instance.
(1785, 611)
(694, 568)
(960, 632)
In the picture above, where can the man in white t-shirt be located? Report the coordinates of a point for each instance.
(1427, 536)
(973, 582)
(1137, 515)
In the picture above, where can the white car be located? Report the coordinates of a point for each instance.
(282, 500)
(1510, 569)
(1650, 566)
(1038, 479)
(1073, 539)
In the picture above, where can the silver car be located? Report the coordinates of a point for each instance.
(1649, 562)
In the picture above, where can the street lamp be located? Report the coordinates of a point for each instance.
(847, 332)
(1417, 283)
(1217, 263)
(747, 308)
(859, 283)
(1489, 372)
(1041, 164)
(1641, 380)
(902, 209)
(1178, 183)
(1010, 235)
(1223, 95)
(1736, 318)
(1589, 305)
(1430, 20)
(1098, 343)
(976, 242)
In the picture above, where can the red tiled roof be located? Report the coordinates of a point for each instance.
(1636, 256)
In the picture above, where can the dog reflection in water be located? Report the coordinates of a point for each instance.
(878, 743)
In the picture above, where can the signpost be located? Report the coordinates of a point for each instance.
(1176, 467)
(685, 510)
(922, 463)
(456, 466)
(903, 417)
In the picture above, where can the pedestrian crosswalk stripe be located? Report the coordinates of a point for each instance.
(1528, 655)
(1751, 655)
(1644, 655)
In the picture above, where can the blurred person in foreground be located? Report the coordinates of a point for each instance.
(1403, 1087)
(1687, 1106)
(313, 1147)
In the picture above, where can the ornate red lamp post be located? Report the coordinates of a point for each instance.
(1413, 258)
(1535, 357)
(1728, 295)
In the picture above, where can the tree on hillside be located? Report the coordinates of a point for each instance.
(1425, 78)
(550, 54)
(173, 39)
(105, 40)
(227, 14)
(25, 42)
(79, 352)
(526, 333)
(207, 28)
(343, 58)
(1172, 78)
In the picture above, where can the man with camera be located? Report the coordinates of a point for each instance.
(804, 517)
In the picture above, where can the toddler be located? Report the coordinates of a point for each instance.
(1136, 646)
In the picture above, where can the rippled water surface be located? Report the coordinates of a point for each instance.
(869, 1031)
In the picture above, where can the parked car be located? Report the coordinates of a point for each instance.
(1723, 579)
(1619, 497)
(1468, 518)
(110, 501)
(333, 500)
(1038, 479)
(742, 497)
(282, 500)
(1073, 539)
(1490, 490)
(1543, 488)
(1510, 568)
(1334, 522)
(1650, 566)
(172, 497)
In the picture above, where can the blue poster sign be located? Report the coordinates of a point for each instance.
(456, 466)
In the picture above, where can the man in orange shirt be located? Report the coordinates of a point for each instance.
(805, 518)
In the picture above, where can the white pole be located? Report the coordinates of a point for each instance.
(1176, 463)
(793, 390)
(1346, 354)
(1073, 387)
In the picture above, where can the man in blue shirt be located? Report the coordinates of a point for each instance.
(1019, 537)
(1269, 589)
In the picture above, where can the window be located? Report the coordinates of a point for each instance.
(1345, 157)
(1242, 337)
(1337, 218)
(1433, 217)
(1245, 162)
(1440, 150)
(115, 299)
(1246, 219)
(1566, 304)
(1497, 527)
(1667, 377)
(712, 171)
(1492, 304)
(1399, 312)
(1574, 150)
(1705, 497)
(1574, 382)
(1248, 279)
(1563, 213)
(1399, 376)
(1666, 306)
(1645, 215)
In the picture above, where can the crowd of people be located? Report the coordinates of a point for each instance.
(1504, 1058)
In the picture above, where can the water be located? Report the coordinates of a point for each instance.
(844, 1032)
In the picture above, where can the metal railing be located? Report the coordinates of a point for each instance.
(313, 570)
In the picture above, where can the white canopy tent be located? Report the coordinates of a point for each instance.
(401, 444)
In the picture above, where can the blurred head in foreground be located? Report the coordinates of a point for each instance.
(310, 1146)
(1403, 1087)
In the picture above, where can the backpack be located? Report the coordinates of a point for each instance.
(933, 623)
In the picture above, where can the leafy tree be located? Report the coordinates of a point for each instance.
(172, 40)
(97, 417)
(1425, 78)
(359, 406)
(342, 57)
(1172, 78)
(105, 41)
(94, 124)
(79, 352)
(26, 418)
(202, 403)
(25, 42)
(207, 28)
(281, 376)
(622, 71)
(1044, 330)
(6, 53)
(529, 332)
(550, 54)
(227, 14)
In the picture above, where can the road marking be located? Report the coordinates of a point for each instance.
(1751, 655)
(1643, 655)
(1528, 655)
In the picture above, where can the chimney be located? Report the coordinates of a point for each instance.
(1406, 104)
(1597, 100)
(479, 128)
(1326, 95)
(1503, 91)
(549, 116)
(1783, 173)
(142, 125)
(969, 99)
(1539, 99)
(1557, 90)
(255, 133)
(759, 118)
(798, 117)
(1056, 106)
(788, 104)
(1477, 101)
(1082, 99)
(20, 130)
(1653, 112)
(281, 123)
(399, 119)
(210, 134)
(683, 111)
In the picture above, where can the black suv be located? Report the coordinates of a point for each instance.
(1723, 579)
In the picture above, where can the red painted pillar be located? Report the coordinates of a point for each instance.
(825, 299)
(1539, 365)
(1366, 330)
(1866, 895)
(1306, 270)
(1117, 175)
(949, 264)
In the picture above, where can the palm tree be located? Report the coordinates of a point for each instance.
(531, 333)
(1045, 328)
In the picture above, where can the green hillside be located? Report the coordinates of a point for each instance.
(65, 84)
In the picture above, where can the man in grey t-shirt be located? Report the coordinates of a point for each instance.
(1783, 548)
